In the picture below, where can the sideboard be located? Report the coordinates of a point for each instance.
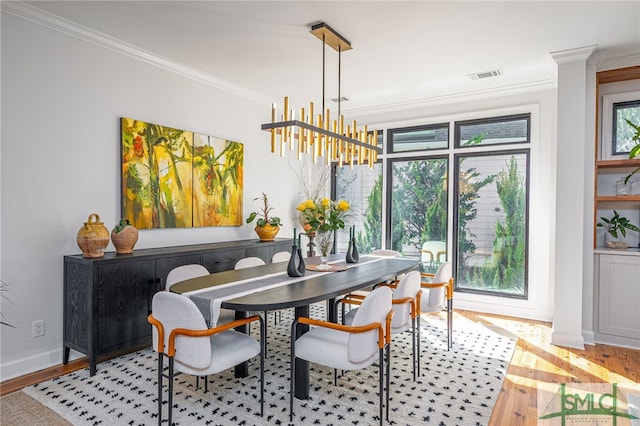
(107, 300)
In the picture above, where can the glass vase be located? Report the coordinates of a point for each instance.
(324, 242)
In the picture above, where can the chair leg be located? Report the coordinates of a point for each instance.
(449, 324)
(292, 368)
(413, 346)
(170, 389)
(160, 377)
(206, 384)
(381, 384)
(419, 338)
(388, 377)
(263, 341)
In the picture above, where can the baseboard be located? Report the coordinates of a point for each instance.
(589, 337)
(26, 365)
(624, 342)
(567, 340)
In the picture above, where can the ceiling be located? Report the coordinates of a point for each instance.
(403, 52)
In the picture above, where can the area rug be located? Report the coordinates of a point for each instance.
(456, 387)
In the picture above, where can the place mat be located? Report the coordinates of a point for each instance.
(334, 268)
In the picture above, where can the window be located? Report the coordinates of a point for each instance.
(488, 162)
(622, 131)
(419, 138)
(362, 187)
(493, 131)
(417, 212)
(491, 223)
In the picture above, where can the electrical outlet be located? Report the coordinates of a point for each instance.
(38, 328)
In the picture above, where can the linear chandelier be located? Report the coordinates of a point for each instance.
(335, 140)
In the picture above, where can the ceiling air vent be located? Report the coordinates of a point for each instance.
(485, 74)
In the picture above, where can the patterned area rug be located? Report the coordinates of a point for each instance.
(457, 387)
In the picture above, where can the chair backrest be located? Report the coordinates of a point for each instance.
(281, 256)
(248, 262)
(409, 286)
(432, 251)
(375, 308)
(437, 295)
(184, 272)
(176, 311)
(386, 253)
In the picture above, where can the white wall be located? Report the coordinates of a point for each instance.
(61, 101)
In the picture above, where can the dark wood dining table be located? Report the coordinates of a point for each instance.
(311, 288)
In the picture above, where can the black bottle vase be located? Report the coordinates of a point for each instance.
(296, 266)
(352, 251)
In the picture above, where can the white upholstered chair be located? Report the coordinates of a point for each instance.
(248, 262)
(181, 335)
(186, 272)
(348, 347)
(386, 253)
(281, 256)
(438, 295)
(406, 312)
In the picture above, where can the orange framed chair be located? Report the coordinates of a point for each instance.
(181, 335)
(348, 347)
(406, 307)
(439, 295)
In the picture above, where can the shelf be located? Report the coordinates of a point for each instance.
(603, 198)
(605, 164)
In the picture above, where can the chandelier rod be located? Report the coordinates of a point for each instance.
(324, 45)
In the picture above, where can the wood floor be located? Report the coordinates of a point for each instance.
(536, 364)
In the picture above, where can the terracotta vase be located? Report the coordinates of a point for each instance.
(125, 239)
(93, 237)
(267, 232)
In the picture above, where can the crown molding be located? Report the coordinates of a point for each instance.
(73, 29)
(573, 55)
(468, 96)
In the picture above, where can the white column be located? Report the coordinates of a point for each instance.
(570, 173)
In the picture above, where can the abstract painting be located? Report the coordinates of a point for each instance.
(174, 178)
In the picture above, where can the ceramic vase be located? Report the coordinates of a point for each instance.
(125, 239)
(93, 237)
(267, 232)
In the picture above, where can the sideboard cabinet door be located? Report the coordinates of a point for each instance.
(124, 292)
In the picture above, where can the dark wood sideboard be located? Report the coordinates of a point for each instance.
(107, 300)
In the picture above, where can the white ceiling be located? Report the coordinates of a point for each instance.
(403, 52)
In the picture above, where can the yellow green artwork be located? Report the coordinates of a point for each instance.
(174, 178)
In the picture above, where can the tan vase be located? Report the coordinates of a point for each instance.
(125, 239)
(267, 232)
(93, 237)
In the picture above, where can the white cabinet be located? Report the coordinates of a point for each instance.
(618, 299)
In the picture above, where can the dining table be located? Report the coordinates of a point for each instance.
(269, 288)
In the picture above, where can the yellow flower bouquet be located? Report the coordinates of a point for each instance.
(323, 215)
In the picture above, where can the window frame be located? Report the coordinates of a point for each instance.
(489, 120)
(456, 211)
(399, 130)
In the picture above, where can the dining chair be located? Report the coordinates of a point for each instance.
(386, 253)
(281, 256)
(406, 308)
(248, 262)
(348, 347)
(181, 335)
(186, 272)
(433, 253)
(439, 295)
